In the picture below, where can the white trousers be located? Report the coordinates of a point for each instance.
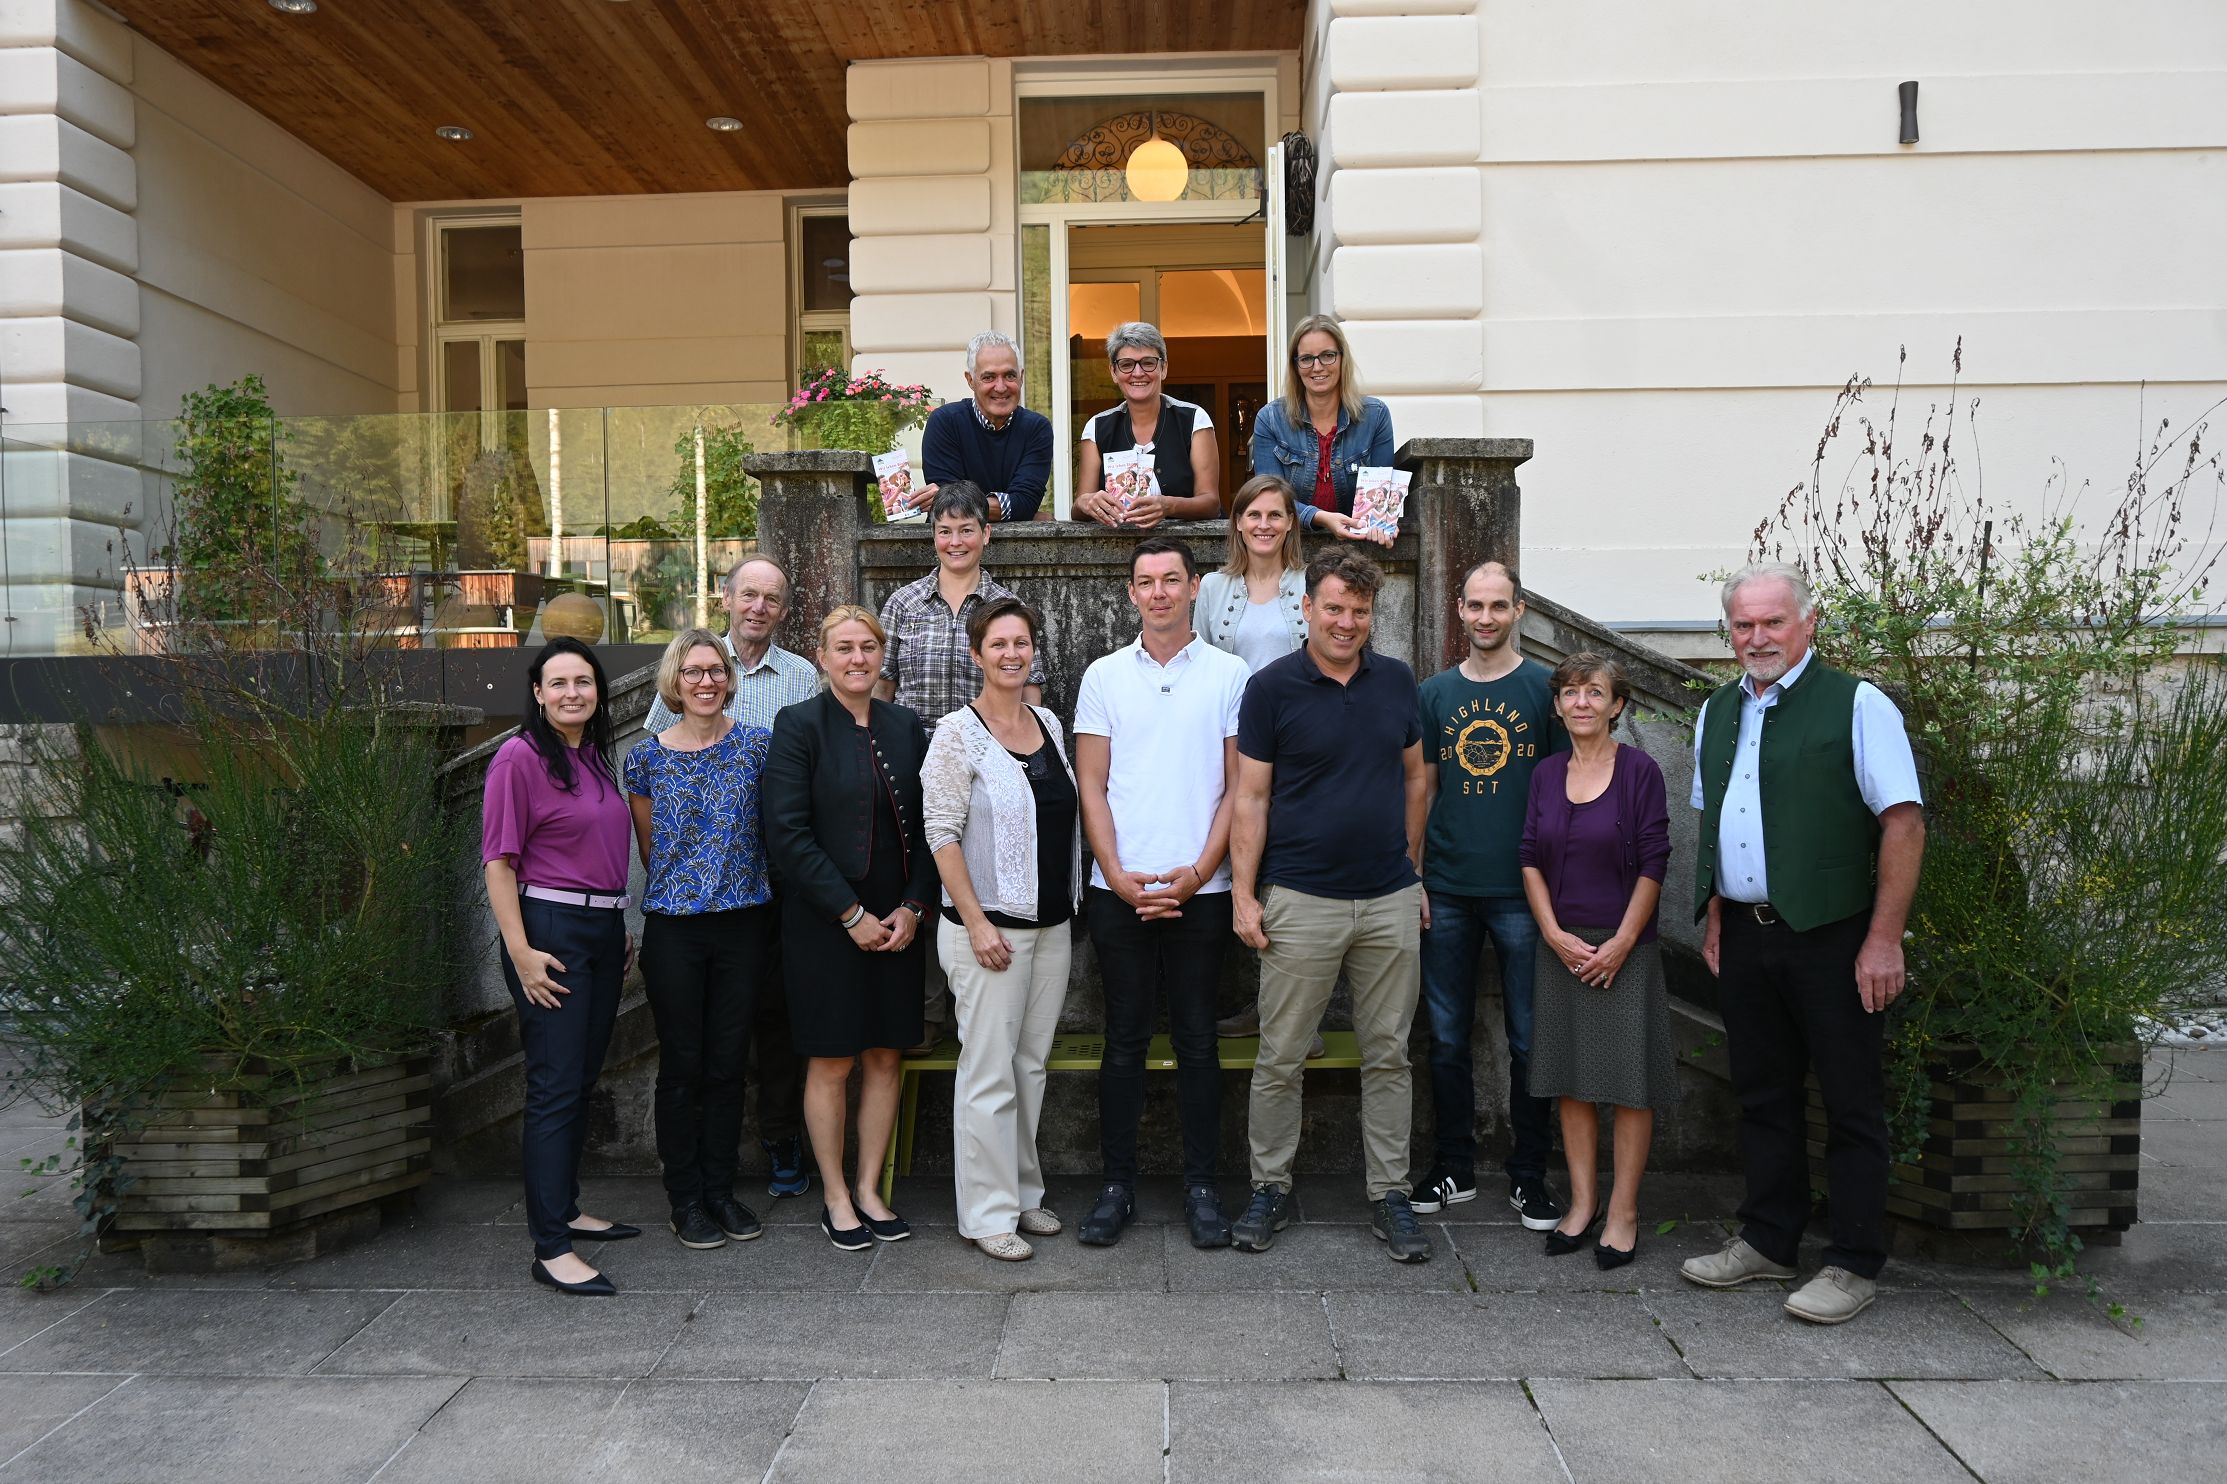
(1006, 1023)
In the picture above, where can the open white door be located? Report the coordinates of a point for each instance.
(1272, 202)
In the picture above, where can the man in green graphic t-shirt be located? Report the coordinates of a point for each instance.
(1486, 723)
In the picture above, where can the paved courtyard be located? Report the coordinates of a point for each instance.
(427, 1355)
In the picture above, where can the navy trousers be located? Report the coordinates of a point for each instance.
(564, 1050)
(704, 975)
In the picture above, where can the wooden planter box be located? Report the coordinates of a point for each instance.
(1965, 1178)
(260, 1158)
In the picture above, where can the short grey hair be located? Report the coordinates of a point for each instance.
(992, 340)
(1805, 602)
(1135, 335)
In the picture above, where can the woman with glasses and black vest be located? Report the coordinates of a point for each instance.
(554, 833)
(1004, 825)
(1186, 459)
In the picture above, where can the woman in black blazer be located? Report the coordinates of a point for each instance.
(841, 810)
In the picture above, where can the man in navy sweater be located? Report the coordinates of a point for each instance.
(990, 438)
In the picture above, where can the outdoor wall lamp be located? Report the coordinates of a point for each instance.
(1909, 95)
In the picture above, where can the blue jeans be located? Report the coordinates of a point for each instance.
(1459, 926)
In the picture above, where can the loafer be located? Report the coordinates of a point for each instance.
(1202, 1212)
(1834, 1296)
(617, 1231)
(849, 1238)
(1116, 1206)
(596, 1287)
(734, 1218)
(1393, 1221)
(1267, 1213)
(1731, 1265)
(695, 1228)
(1008, 1247)
(1042, 1221)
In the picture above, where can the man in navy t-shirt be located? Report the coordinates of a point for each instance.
(990, 438)
(1325, 839)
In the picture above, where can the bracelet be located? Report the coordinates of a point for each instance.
(915, 909)
(858, 915)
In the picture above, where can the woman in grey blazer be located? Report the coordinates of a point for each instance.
(1251, 606)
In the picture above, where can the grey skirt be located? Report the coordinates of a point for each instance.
(1603, 1045)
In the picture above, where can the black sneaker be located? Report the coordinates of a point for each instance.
(734, 1218)
(1102, 1227)
(788, 1177)
(1535, 1203)
(1268, 1213)
(1438, 1190)
(695, 1228)
(1202, 1211)
(1393, 1221)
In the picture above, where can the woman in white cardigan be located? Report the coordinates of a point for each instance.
(999, 803)
(1251, 607)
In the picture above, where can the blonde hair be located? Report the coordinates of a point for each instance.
(676, 655)
(1349, 375)
(1256, 488)
(843, 613)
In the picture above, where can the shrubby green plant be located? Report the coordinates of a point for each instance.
(239, 514)
(2075, 765)
(730, 495)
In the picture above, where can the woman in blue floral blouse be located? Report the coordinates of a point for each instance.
(707, 929)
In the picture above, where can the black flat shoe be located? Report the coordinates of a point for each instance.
(850, 1239)
(617, 1231)
(1560, 1244)
(596, 1287)
(1606, 1257)
(895, 1229)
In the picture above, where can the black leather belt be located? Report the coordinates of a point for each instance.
(1764, 913)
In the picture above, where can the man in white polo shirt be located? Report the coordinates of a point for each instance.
(1155, 764)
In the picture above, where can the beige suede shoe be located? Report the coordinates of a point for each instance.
(1834, 1296)
(1042, 1221)
(1730, 1266)
(1006, 1248)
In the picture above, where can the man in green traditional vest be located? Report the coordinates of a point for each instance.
(1810, 841)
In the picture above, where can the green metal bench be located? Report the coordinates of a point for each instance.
(1080, 1052)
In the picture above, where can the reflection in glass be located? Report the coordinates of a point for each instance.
(483, 273)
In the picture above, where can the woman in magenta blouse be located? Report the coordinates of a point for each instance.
(1596, 842)
(554, 834)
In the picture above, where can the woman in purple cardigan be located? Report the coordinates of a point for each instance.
(1596, 841)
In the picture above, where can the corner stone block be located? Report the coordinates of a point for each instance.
(919, 147)
(1421, 281)
(1435, 204)
(1425, 356)
(896, 265)
(943, 87)
(1372, 130)
(913, 205)
(1369, 53)
(911, 322)
(41, 214)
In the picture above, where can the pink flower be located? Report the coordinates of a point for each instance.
(822, 397)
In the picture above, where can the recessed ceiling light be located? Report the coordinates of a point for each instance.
(455, 132)
(723, 124)
(295, 7)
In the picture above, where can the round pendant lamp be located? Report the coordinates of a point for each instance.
(1157, 170)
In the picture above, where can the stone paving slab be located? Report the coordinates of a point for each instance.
(784, 1336)
(465, 1201)
(2182, 1337)
(2190, 1256)
(2186, 1097)
(1709, 1432)
(1152, 1336)
(2185, 1192)
(2191, 1143)
(33, 1406)
(182, 1331)
(964, 1432)
(1462, 1337)
(292, 1430)
(534, 1333)
(1740, 1333)
(785, 1259)
(422, 1255)
(2075, 1434)
(1301, 1432)
(24, 1313)
(1312, 1257)
(1513, 1260)
(554, 1432)
(935, 1260)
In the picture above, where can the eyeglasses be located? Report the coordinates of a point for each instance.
(698, 674)
(1320, 358)
(1142, 365)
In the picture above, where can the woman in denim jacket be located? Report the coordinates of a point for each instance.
(1322, 430)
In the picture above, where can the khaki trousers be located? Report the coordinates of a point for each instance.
(1376, 941)
(1007, 1020)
